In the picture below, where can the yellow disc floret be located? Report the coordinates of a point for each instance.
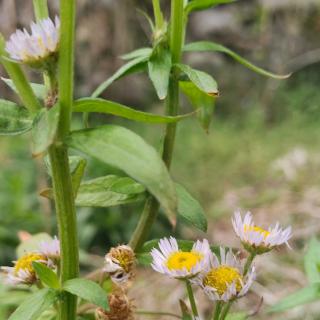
(180, 260)
(220, 278)
(265, 233)
(123, 256)
(25, 262)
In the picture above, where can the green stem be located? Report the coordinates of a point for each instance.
(40, 9)
(248, 263)
(157, 14)
(225, 311)
(217, 310)
(58, 153)
(191, 299)
(151, 208)
(20, 81)
(66, 217)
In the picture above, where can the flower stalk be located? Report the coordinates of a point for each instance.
(192, 300)
(151, 207)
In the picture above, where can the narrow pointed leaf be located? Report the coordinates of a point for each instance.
(87, 290)
(159, 67)
(303, 296)
(44, 129)
(109, 191)
(35, 305)
(128, 152)
(200, 101)
(216, 47)
(312, 261)
(135, 65)
(141, 52)
(200, 79)
(46, 275)
(77, 168)
(39, 89)
(196, 5)
(14, 120)
(190, 209)
(117, 109)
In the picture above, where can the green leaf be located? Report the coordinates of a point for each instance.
(87, 290)
(125, 150)
(196, 5)
(133, 66)
(159, 67)
(44, 129)
(201, 101)
(77, 168)
(104, 192)
(216, 47)
(190, 209)
(14, 119)
(34, 306)
(32, 244)
(141, 52)
(312, 261)
(39, 89)
(117, 109)
(303, 296)
(200, 79)
(46, 275)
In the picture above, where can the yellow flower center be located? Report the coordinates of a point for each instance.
(125, 260)
(25, 262)
(265, 233)
(220, 278)
(180, 260)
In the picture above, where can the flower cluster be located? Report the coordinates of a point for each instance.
(221, 275)
(23, 272)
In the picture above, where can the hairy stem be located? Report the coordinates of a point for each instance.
(151, 208)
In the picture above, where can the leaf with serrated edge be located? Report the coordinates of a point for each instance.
(216, 47)
(35, 305)
(125, 150)
(87, 290)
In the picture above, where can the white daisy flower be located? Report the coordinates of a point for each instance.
(171, 261)
(256, 239)
(224, 280)
(120, 263)
(51, 249)
(37, 46)
(22, 272)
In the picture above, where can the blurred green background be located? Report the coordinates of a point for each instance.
(262, 151)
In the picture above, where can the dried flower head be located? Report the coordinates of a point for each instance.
(256, 239)
(170, 260)
(121, 308)
(23, 272)
(120, 263)
(36, 47)
(224, 280)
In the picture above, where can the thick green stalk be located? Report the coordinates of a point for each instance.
(157, 14)
(192, 300)
(40, 9)
(151, 207)
(58, 153)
